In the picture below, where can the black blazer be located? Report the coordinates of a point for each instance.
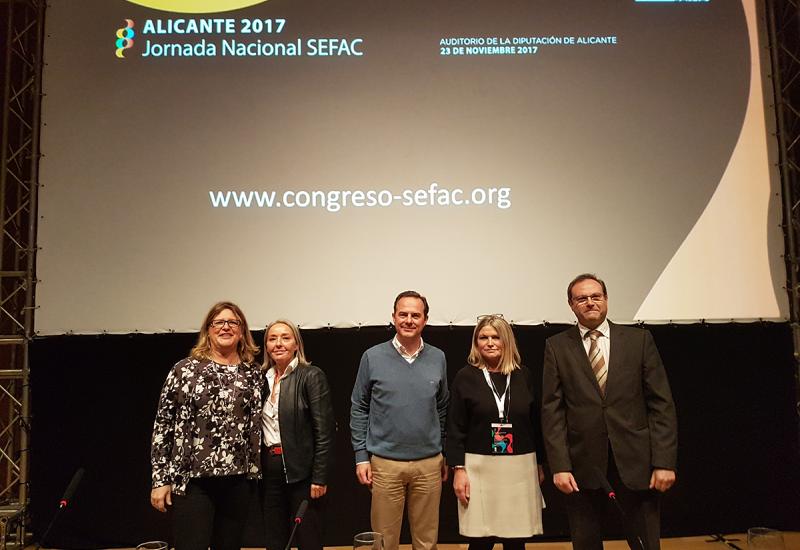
(636, 417)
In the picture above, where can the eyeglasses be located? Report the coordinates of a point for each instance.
(490, 316)
(583, 300)
(219, 323)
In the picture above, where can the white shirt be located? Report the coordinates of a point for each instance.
(410, 357)
(270, 426)
(603, 341)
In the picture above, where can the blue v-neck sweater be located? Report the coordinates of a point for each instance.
(398, 409)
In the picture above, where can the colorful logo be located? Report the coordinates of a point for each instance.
(196, 6)
(125, 38)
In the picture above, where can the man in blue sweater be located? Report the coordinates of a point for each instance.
(397, 422)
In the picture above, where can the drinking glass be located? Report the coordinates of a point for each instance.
(369, 540)
(763, 538)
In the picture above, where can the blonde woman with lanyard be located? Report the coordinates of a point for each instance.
(493, 441)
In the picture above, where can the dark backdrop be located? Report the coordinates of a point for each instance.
(94, 398)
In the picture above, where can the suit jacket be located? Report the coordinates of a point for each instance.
(636, 417)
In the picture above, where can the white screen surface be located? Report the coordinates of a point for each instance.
(482, 154)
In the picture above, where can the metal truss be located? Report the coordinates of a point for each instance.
(22, 26)
(784, 31)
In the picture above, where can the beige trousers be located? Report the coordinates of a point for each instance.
(417, 481)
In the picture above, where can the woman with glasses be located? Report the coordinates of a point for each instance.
(494, 442)
(297, 427)
(205, 449)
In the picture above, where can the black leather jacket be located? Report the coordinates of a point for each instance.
(307, 424)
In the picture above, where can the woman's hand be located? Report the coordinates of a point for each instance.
(461, 486)
(318, 491)
(161, 497)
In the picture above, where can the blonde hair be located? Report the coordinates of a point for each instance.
(246, 347)
(509, 360)
(300, 353)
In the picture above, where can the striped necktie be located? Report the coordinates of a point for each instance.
(597, 360)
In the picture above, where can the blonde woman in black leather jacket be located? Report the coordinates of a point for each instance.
(297, 437)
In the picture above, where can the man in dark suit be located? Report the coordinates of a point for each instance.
(607, 410)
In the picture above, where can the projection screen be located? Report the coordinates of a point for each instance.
(310, 159)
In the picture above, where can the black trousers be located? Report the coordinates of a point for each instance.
(279, 502)
(589, 510)
(212, 513)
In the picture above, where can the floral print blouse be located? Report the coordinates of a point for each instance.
(207, 423)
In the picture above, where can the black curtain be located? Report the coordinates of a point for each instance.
(94, 399)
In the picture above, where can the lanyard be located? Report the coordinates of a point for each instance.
(500, 400)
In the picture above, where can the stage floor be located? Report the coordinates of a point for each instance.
(791, 538)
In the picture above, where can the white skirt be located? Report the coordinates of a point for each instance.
(505, 498)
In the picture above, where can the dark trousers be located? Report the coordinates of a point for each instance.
(589, 510)
(279, 503)
(212, 513)
(486, 543)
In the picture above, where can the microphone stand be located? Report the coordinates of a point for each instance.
(298, 519)
(633, 539)
(63, 503)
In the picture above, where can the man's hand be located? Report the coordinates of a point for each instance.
(444, 472)
(661, 480)
(364, 474)
(541, 473)
(461, 486)
(161, 497)
(565, 482)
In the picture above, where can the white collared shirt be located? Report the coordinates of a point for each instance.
(604, 341)
(410, 357)
(270, 426)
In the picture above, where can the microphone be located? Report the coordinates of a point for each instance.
(298, 519)
(634, 540)
(71, 488)
(604, 484)
(63, 503)
(301, 511)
